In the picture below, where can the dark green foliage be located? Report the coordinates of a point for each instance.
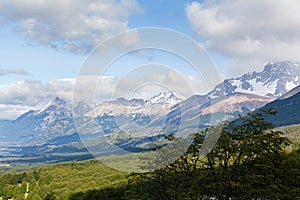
(106, 193)
(50, 196)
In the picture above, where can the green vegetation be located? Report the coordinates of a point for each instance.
(60, 181)
(293, 133)
(249, 161)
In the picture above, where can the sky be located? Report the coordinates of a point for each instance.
(45, 44)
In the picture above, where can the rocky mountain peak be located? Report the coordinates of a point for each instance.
(58, 101)
(58, 107)
(282, 67)
(273, 81)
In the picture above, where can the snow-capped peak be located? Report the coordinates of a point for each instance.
(275, 80)
(164, 98)
(58, 101)
(58, 107)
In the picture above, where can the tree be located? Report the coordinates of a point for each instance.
(177, 180)
(241, 161)
(239, 166)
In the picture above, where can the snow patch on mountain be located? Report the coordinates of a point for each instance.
(275, 80)
(257, 87)
(290, 85)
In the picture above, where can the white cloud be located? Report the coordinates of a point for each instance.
(12, 111)
(142, 83)
(21, 72)
(19, 97)
(148, 84)
(75, 25)
(250, 32)
(35, 93)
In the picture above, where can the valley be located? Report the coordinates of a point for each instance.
(49, 135)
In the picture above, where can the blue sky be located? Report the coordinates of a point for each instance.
(44, 43)
(42, 63)
(45, 63)
(162, 13)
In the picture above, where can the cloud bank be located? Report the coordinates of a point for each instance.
(74, 25)
(250, 32)
(22, 96)
(21, 72)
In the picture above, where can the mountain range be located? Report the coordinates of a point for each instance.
(232, 97)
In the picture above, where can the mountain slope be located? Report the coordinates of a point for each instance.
(237, 103)
(288, 111)
(203, 109)
(40, 126)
